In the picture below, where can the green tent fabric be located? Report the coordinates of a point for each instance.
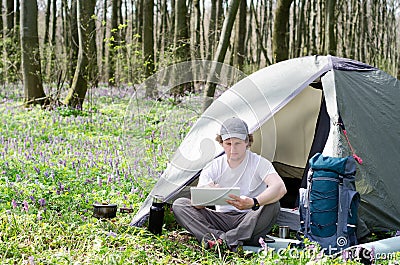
(369, 106)
(294, 108)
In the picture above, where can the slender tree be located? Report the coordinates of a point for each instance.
(330, 38)
(221, 51)
(211, 30)
(31, 69)
(112, 43)
(47, 22)
(240, 36)
(54, 23)
(77, 92)
(281, 31)
(103, 35)
(93, 68)
(139, 18)
(73, 47)
(181, 39)
(258, 33)
(148, 42)
(9, 41)
(196, 24)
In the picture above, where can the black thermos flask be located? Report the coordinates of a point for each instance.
(156, 218)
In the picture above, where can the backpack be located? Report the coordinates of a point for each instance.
(329, 204)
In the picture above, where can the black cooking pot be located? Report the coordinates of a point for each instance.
(104, 210)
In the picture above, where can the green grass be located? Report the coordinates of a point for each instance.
(55, 164)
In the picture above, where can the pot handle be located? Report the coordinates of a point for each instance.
(125, 210)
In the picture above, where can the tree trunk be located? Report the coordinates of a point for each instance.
(281, 31)
(241, 36)
(195, 43)
(74, 41)
(220, 52)
(54, 25)
(31, 69)
(330, 38)
(47, 22)
(249, 45)
(139, 19)
(9, 41)
(163, 38)
(314, 41)
(181, 42)
(258, 33)
(93, 68)
(301, 30)
(211, 30)
(77, 92)
(113, 42)
(181, 38)
(148, 42)
(104, 58)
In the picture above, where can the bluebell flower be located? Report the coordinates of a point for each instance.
(14, 204)
(42, 202)
(37, 170)
(25, 206)
(111, 233)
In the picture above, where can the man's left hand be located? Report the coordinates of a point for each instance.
(241, 203)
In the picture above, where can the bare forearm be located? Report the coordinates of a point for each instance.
(271, 194)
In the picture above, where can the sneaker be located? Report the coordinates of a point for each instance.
(209, 241)
(212, 244)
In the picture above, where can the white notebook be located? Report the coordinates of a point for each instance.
(209, 196)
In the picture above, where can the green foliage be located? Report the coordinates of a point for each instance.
(65, 112)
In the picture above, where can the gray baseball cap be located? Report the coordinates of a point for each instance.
(234, 128)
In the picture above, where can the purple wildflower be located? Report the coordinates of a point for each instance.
(111, 233)
(14, 204)
(372, 254)
(31, 260)
(263, 244)
(37, 170)
(42, 202)
(134, 190)
(25, 206)
(39, 216)
(32, 198)
(345, 255)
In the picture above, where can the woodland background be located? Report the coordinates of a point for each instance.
(56, 46)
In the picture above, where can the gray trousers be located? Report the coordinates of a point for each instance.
(235, 228)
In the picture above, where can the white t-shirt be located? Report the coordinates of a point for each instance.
(249, 176)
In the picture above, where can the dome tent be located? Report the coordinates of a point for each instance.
(295, 109)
